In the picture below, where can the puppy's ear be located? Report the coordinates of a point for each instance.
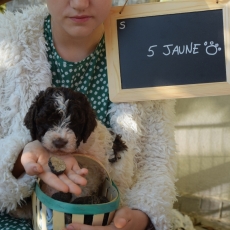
(90, 123)
(83, 117)
(88, 116)
(29, 120)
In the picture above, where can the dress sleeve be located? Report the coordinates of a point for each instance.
(153, 190)
(12, 190)
(24, 72)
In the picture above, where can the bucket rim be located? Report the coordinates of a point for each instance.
(80, 209)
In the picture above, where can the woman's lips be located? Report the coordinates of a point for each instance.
(81, 19)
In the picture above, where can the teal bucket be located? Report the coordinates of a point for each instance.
(50, 214)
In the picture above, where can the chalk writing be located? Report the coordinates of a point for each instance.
(122, 25)
(151, 51)
(192, 48)
(212, 49)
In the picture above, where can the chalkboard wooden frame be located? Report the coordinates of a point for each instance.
(117, 94)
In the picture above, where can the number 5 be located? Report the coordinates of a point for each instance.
(151, 51)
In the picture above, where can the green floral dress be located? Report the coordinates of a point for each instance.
(88, 76)
(10, 223)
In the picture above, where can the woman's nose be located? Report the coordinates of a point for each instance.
(79, 5)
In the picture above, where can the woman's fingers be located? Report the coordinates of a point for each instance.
(82, 172)
(72, 186)
(53, 181)
(34, 157)
(76, 178)
(63, 182)
(33, 169)
(122, 217)
(36, 163)
(72, 164)
(30, 164)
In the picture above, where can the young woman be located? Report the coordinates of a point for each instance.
(64, 46)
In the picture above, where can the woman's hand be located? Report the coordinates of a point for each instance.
(125, 219)
(35, 161)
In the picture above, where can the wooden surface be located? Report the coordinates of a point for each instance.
(117, 94)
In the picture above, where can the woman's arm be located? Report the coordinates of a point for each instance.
(150, 130)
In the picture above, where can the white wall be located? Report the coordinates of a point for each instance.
(203, 143)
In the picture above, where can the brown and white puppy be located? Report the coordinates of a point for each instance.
(64, 121)
(60, 119)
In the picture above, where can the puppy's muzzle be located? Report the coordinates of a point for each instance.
(59, 143)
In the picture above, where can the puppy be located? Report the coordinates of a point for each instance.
(64, 122)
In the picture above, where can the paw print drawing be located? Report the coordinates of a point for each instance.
(212, 49)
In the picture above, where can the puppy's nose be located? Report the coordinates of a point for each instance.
(59, 143)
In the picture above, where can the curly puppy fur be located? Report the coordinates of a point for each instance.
(64, 122)
(60, 119)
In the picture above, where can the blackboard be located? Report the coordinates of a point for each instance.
(183, 48)
(158, 54)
